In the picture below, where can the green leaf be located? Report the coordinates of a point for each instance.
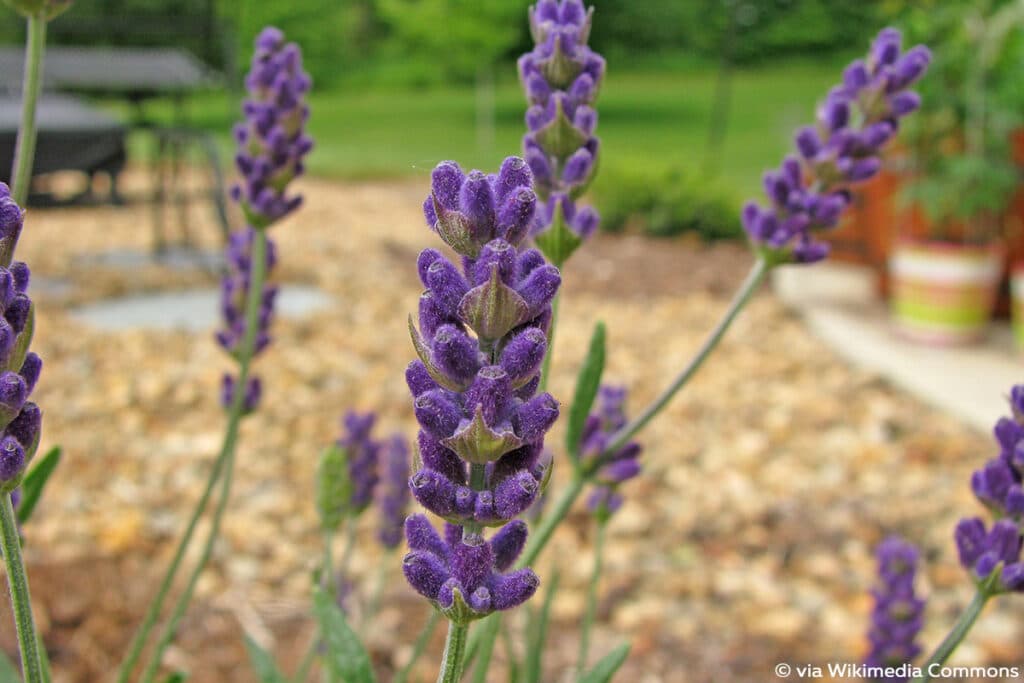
(263, 663)
(176, 677)
(606, 668)
(8, 672)
(532, 669)
(346, 658)
(587, 384)
(35, 480)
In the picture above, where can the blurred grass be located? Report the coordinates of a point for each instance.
(649, 120)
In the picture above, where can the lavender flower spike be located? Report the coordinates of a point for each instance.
(809, 192)
(234, 288)
(897, 617)
(465, 578)
(474, 397)
(20, 419)
(393, 491)
(613, 469)
(272, 142)
(561, 78)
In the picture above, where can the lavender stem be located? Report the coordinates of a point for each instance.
(955, 637)
(454, 650)
(21, 600)
(591, 609)
(25, 147)
(221, 464)
(742, 296)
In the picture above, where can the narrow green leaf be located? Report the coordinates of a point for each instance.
(35, 480)
(587, 384)
(176, 677)
(44, 660)
(606, 668)
(263, 662)
(346, 659)
(8, 672)
(532, 667)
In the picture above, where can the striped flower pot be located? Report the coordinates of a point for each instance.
(943, 293)
(1017, 305)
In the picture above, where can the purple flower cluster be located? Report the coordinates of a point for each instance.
(475, 397)
(234, 290)
(614, 468)
(393, 490)
(561, 77)
(362, 456)
(482, 424)
(993, 556)
(467, 577)
(898, 614)
(20, 419)
(809, 192)
(272, 142)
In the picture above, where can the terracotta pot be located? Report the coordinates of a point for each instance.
(1017, 305)
(943, 293)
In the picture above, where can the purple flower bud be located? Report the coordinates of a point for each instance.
(515, 494)
(508, 543)
(856, 76)
(440, 459)
(471, 562)
(13, 393)
(578, 167)
(21, 276)
(885, 50)
(495, 253)
(513, 175)
(437, 413)
(12, 459)
(896, 618)
(535, 417)
(393, 493)
(30, 370)
(418, 379)
(516, 214)
(476, 201)
(425, 572)
(808, 143)
(455, 354)
(490, 391)
(447, 285)
(524, 353)
(970, 541)
(433, 491)
(904, 103)
(539, 288)
(445, 183)
(512, 590)
(26, 427)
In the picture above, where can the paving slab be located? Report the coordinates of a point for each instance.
(839, 305)
(193, 311)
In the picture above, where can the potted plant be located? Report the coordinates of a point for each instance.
(948, 261)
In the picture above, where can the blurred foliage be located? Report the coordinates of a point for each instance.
(414, 42)
(665, 204)
(971, 102)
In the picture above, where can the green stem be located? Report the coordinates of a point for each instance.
(21, 600)
(25, 147)
(302, 673)
(591, 609)
(742, 296)
(545, 371)
(170, 630)
(327, 569)
(477, 482)
(949, 644)
(254, 298)
(420, 647)
(454, 649)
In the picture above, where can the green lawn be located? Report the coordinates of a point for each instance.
(647, 120)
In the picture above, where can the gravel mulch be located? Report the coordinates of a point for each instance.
(747, 541)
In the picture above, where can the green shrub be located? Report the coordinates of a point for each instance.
(664, 204)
